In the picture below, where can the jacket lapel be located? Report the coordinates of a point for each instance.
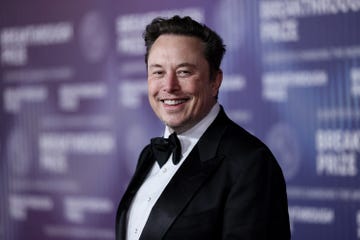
(199, 165)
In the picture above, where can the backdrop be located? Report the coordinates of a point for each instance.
(74, 113)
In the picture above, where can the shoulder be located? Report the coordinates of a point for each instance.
(242, 151)
(233, 138)
(236, 139)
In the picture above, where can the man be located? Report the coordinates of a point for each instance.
(220, 181)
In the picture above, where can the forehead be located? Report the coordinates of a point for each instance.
(168, 46)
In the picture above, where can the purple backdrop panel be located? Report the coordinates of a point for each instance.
(74, 112)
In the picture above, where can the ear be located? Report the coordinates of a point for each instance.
(216, 83)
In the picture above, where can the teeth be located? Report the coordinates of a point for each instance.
(173, 102)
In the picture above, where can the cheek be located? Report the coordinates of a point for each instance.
(202, 90)
(152, 88)
(194, 87)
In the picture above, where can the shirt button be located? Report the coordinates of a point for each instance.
(164, 170)
(149, 199)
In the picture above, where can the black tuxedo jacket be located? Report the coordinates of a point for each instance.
(229, 187)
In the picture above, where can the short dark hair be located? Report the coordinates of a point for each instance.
(214, 47)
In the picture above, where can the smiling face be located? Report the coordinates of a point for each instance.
(179, 86)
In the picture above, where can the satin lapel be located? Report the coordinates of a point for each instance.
(189, 178)
(146, 161)
(199, 165)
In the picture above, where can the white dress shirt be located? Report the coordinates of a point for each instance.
(158, 178)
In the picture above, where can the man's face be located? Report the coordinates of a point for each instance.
(179, 86)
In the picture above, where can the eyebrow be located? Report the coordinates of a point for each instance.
(186, 65)
(179, 65)
(155, 66)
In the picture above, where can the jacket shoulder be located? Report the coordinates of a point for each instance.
(242, 150)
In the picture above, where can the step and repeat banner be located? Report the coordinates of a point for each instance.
(74, 113)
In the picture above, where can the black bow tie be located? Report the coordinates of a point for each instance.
(163, 147)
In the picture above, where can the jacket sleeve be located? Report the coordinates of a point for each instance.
(256, 207)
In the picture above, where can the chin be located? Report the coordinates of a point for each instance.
(172, 125)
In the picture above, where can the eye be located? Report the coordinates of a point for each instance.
(157, 73)
(183, 73)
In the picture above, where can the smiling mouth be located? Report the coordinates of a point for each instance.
(173, 102)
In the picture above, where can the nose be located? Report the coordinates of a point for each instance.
(171, 82)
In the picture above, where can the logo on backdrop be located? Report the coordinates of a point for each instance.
(282, 141)
(93, 36)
